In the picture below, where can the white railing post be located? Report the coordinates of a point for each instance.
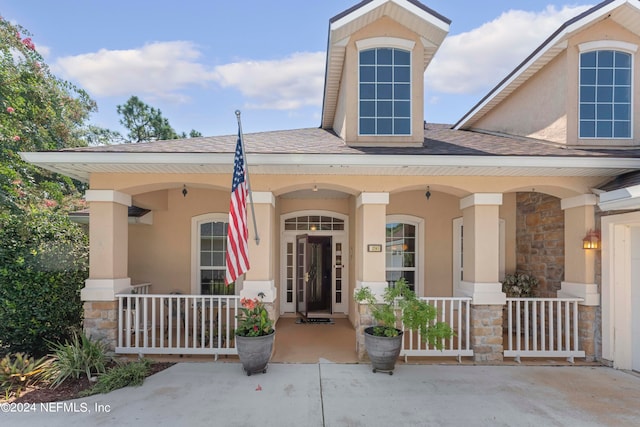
(550, 328)
(176, 323)
(412, 344)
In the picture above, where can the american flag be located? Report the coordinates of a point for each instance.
(237, 261)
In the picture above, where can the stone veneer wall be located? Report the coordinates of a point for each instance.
(540, 241)
(101, 322)
(486, 333)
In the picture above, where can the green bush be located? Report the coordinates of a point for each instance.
(122, 375)
(80, 356)
(43, 265)
(20, 371)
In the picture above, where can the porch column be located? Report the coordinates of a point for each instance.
(369, 250)
(481, 258)
(262, 255)
(579, 267)
(108, 263)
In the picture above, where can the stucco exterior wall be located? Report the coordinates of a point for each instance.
(538, 109)
(161, 253)
(347, 111)
(546, 106)
(438, 213)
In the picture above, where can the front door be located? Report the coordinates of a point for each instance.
(302, 273)
(315, 274)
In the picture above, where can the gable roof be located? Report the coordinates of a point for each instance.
(431, 26)
(624, 12)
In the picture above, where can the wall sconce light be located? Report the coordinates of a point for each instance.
(315, 188)
(184, 190)
(428, 193)
(591, 240)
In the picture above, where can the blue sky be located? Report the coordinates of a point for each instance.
(199, 61)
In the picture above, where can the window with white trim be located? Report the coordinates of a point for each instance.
(384, 91)
(605, 94)
(209, 252)
(401, 253)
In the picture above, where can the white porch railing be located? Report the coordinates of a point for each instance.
(455, 311)
(542, 327)
(176, 324)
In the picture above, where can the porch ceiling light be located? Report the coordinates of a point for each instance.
(591, 240)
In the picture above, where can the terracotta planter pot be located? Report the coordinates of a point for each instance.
(255, 352)
(383, 351)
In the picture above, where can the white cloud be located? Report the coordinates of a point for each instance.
(477, 60)
(466, 63)
(283, 84)
(160, 70)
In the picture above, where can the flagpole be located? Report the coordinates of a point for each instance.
(246, 175)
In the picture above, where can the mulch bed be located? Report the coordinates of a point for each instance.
(67, 390)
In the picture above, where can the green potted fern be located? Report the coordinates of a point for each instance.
(383, 341)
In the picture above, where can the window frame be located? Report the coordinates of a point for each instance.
(394, 44)
(615, 47)
(418, 268)
(196, 267)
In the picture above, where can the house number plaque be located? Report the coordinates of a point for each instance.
(374, 248)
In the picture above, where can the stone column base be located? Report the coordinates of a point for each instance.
(486, 333)
(587, 331)
(363, 321)
(101, 322)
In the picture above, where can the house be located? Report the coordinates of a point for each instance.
(376, 193)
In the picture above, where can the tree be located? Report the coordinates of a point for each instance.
(43, 257)
(38, 111)
(144, 123)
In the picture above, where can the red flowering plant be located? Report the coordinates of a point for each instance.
(253, 318)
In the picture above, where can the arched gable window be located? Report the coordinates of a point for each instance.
(606, 91)
(384, 88)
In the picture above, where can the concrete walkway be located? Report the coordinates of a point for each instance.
(327, 394)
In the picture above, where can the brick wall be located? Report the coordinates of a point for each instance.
(540, 241)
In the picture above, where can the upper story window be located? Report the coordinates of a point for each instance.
(385, 91)
(605, 94)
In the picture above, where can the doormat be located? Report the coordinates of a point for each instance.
(315, 320)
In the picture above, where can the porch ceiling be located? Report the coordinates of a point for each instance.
(81, 165)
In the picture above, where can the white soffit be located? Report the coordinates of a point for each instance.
(81, 165)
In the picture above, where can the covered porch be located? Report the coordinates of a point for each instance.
(447, 263)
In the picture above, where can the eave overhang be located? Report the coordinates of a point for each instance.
(623, 199)
(81, 165)
(431, 26)
(624, 12)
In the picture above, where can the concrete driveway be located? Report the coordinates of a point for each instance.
(327, 394)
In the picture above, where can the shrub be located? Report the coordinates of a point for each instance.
(519, 285)
(401, 304)
(20, 371)
(79, 356)
(122, 375)
(43, 265)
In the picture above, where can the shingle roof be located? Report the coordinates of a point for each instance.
(439, 139)
(623, 181)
